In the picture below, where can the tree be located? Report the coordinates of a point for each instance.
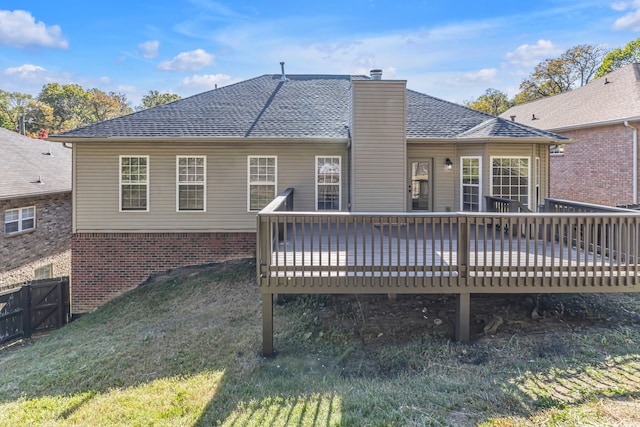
(618, 57)
(155, 98)
(14, 106)
(574, 68)
(104, 106)
(492, 102)
(70, 105)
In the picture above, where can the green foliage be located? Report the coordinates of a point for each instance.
(574, 68)
(620, 57)
(155, 98)
(492, 102)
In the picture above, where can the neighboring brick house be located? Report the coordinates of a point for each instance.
(35, 209)
(601, 118)
(181, 184)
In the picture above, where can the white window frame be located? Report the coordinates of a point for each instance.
(529, 177)
(48, 269)
(148, 183)
(21, 218)
(203, 184)
(318, 184)
(249, 183)
(556, 150)
(479, 185)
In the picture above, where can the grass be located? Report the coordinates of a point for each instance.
(185, 352)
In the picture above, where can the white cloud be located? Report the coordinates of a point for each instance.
(19, 29)
(188, 61)
(203, 82)
(484, 76)
(630, 21)
(620, 6)
(26, 71)
(149, 49)
(531, 55)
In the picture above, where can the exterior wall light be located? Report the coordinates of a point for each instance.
(448, 164)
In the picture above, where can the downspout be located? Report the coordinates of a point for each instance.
(635, 161)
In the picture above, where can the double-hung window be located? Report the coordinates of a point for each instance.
(470, 184)
(262, 179)
(191, 183)
(18, 220)
(510, 178)
(134, 183)
(328, 188)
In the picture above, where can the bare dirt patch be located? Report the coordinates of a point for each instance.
(378, 320)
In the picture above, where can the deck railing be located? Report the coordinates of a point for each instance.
(459, 253)
(338, 252)
(499, 204)
(568, 206)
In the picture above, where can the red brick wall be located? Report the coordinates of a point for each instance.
(105, 265)
(20, 253)
(596, 168)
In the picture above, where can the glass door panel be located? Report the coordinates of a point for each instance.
(420, 185)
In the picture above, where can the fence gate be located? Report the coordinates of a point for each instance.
(37, 306)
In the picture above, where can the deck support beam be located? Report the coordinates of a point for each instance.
(463, 317)
(267, 324)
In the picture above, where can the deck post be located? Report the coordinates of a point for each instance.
(463, 317)
(267, 324)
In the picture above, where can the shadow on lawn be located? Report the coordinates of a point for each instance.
(525, 375)
(331, 379)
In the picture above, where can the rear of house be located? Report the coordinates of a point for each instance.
(181, 184)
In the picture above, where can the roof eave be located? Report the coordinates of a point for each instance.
(463, 140)
(215, 139)
(36, 194)
(594, 124)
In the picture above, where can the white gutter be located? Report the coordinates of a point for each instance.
(635, 161)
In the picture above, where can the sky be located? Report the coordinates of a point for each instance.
(453, 50)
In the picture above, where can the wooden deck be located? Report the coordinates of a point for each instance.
(459, 253)
(405, 253)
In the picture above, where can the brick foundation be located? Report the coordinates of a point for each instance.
(105, 265)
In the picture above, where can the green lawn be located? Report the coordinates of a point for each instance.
(184, 352)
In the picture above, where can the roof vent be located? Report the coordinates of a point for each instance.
(606, 81)
(39, 180)
(376, 74)
(284, 77)
(533, 117)
(513, 118)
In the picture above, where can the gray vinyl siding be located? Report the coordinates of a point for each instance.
(379, 160)
(96, 207)
(444, 181)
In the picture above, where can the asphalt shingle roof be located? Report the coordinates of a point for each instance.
(304, 106)
(613, 97)
(24, 161)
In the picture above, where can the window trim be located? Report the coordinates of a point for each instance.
(339, 157)
(275, 182)
(49, 268)
(529, 195)
(481, 199)
(19, 221)
(203, 184)
(148, 183)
